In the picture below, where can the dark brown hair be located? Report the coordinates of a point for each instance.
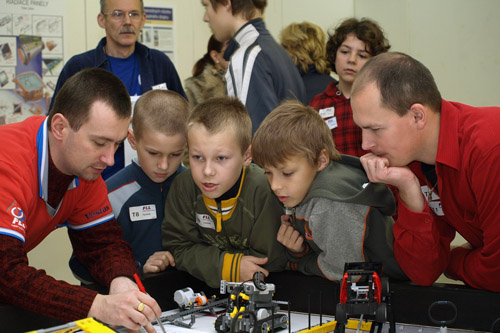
(365, 30)
(86, 87)
(248, 8)
(213, 45)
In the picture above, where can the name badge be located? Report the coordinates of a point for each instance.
(161, 86)
(205, 221)
(332, 123)
(433, 200)
(141, 213)
(327, 113)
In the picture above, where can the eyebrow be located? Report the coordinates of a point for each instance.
(369, 126)
(96, 137)
(350, 48)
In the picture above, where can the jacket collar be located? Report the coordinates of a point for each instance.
(102, 58)
(448, 146)
(42, 146)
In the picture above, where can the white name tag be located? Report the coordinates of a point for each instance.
(141, 213)
(205, 221)
(161, 86)
(327, 113)
(332, 123)
(433, 200)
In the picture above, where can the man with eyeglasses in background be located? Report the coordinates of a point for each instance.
(140, 68)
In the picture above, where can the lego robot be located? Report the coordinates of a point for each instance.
(363, 291)
(250, 308)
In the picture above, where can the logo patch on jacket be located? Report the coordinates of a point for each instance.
(19, 218)
(205, 221)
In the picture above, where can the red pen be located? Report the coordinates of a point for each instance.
(142, 289)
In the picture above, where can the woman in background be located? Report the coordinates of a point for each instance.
(208, 75)
(305, 42)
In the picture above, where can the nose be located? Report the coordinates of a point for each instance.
(275, 184)
(352, 57)
(163, 163)
(367, 143)
(208, 169)
(205, 17)
(126, 18)
(108, 156)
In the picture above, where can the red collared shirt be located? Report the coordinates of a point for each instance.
(467, 166)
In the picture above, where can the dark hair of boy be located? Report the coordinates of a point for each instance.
(365, 30)
(247, 8)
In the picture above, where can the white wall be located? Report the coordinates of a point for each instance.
(456, 39)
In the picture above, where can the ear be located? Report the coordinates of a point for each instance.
(58, 126)
(143, 21)
(100, 20)
(248, 156)
(323, 160)
(418, 114)
(131, 139)
(213, 55)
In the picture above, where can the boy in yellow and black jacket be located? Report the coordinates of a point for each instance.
(221, 217)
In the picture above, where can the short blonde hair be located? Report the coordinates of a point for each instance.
(306, 44)
(222, 113)
(162, 111)
(292, 129)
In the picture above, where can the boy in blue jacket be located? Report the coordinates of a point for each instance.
(138, 192)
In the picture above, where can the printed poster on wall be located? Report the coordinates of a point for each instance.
(31, 56)
(158, 31)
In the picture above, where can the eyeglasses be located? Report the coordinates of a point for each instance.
(119, 15)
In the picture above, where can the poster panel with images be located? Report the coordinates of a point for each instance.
(31, 56)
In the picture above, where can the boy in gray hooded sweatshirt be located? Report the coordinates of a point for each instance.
(334, 214)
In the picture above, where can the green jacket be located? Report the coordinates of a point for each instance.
(345, 218)
(209, 242)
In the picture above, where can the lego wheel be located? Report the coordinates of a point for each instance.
(280, 321)
(385, 286)
(340, 314)
(381, 314)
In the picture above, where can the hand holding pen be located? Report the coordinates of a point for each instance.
(140, 307)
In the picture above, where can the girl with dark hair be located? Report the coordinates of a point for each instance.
(208, 74)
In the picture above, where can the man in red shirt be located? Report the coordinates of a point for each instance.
(50, 176)
(443, 157)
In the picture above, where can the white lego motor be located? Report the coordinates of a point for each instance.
(187, 297)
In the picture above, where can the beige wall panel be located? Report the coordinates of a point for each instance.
(325, 13)
(456, 39)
